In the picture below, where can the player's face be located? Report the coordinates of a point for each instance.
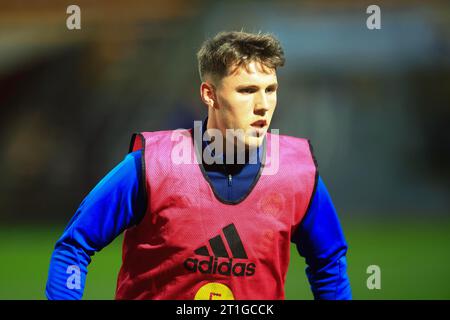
(246, 99)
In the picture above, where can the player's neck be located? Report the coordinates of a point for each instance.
(237, 154)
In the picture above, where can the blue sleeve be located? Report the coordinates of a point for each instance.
(320, 240)
(116, 203)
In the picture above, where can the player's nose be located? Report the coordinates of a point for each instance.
(261, 102)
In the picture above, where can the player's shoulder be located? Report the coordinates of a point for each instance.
(153, 136)
(288, 139)
(299, 145)
(163, 133)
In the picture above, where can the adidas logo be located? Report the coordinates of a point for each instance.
(217, 245)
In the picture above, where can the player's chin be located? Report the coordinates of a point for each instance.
(254, 141)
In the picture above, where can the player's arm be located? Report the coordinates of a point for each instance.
(116, 203)
(320, 239)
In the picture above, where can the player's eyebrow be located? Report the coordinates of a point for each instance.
(254, 86)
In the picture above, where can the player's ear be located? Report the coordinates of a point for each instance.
(208, 94)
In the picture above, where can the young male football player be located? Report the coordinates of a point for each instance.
(220, 226)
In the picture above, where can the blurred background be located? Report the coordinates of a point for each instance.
(375, 104)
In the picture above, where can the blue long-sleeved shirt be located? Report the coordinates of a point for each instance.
(118, 202)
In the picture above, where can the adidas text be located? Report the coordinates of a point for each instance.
(226, 268)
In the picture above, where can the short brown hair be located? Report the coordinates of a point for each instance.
(218, 54)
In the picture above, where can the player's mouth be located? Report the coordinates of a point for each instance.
(260, 127)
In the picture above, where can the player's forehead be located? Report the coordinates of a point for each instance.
(253, 73)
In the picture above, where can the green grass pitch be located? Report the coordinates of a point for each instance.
(414, 258)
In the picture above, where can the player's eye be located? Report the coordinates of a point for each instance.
(246, 90)
(271, 89)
